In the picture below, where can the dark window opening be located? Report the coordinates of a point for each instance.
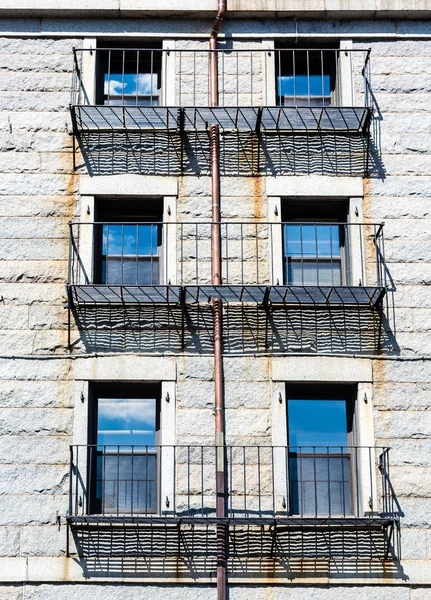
(306, 77)
(124, 425)
(314, 243)
(128, 242)
(320, 437)
(129, 76)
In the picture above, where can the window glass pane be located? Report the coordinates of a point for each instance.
(126, 421)
(141, 84)
(312, 254)
(317, 422)
(130, 254)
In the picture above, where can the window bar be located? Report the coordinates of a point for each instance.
(188, 480)
(244, 480)
(202, 480)
(308, 77)
(384, 280)
(317, 254)
(71, 474)
(132, 482)
(227, 254)
(137, 77)
(271, 249)
(77, 481)
(166, 254)
(329, 483)
(273, 481)
(357, 481)
(286, 467)
(315, 477)
(182, 255)
(259, 499)
(301, 499)
(122, 253)
(109, 76)
(242, 253)
(352, 87)
(222, 79)
(257, 254)
(370, 464)
(122, 77)
(151, 253)
(107, 252)
(158, 478)
(230, 487)
(302, 253)
(180, 77)
(118, 478)
(323, 77)
(279, 97)
(174, 467)
(151, 76)
(197, 254)
(137, 254)
(104, 480)
(342, 482)
(146, 480)
(237, 78)
(251, 77)
(331, 254)
(194, 78)
(294, 76)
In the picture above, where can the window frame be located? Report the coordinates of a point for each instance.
(115, 389)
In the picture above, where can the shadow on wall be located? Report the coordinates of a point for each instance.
(241, 154)
(247, 329)
(253, 552)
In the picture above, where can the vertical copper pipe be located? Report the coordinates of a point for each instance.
(217, 309)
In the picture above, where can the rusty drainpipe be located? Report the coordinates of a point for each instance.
(217, 309)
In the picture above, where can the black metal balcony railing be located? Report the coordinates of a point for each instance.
(299, 263)
(259, 90)
(262, 482)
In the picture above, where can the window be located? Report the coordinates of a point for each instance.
(320, 439)
(314, 243)
(306, 77)
(128, 242)
(123, 461)
(129, 76)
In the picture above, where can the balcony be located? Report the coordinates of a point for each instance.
(301, 264)
(263, 94)
(291, 490)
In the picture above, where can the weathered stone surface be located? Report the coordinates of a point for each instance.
(15, 394)
(43, 541)
(34, 479)
(27, 271)
(11, 592)
(403, 424)
(29, 510)
(196, 394)
(34, 449)
(36, 421)
(411, 482)
(129, 592)
(9, 541)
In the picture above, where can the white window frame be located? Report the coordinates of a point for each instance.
(129, 369)
(323, 188)
(168, 257)
(314, 370)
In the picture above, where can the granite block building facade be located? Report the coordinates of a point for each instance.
(215, 306)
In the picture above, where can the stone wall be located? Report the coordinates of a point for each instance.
(39, 194)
